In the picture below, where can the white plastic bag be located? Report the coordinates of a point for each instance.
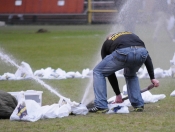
(149, 98)
(173, 93)
(50, 111)
(26, 110)
(55, 111)
(117, 108)
(76, 108)
(79, 109)
(62, 109)
(24, 71)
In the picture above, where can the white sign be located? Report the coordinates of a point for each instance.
(61, 3)
(18, 2)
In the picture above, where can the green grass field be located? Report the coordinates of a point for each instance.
(74, 48)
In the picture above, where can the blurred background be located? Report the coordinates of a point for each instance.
(79, 11)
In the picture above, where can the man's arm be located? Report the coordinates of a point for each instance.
(150, 69)
(114, 83)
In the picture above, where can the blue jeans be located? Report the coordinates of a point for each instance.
(131, 59)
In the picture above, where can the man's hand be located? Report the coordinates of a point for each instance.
(118, 99)
(155, 82)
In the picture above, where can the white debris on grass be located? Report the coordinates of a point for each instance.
(30, 110)
(25, 72)
(117, 109)
(122, 107)
(147, 96)
(173, 93)
(172, 66)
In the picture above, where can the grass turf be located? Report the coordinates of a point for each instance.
(74, 48)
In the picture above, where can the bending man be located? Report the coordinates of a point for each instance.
(121, 50)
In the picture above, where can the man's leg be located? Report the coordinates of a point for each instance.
(106, 67)
(133, 88)
(134, 62)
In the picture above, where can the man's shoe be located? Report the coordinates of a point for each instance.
(138, 109)
(97, 110)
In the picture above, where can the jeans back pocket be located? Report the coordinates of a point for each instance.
(121, 55)
(144, 55)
